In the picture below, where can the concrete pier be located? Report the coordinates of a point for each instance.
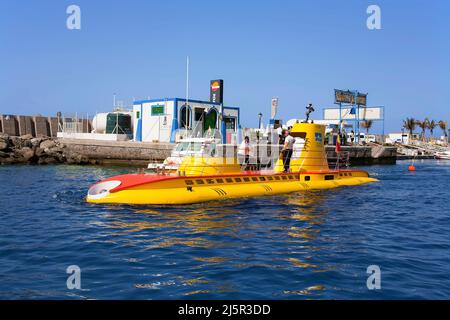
(364, 155)
(141, 153)
(117, 152)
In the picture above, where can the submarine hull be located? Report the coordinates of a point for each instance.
(152, 189)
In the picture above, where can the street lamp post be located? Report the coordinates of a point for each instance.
(260, 117)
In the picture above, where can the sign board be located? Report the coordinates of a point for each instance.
(274, 108)
(158, 109)
(341, 96)
(365, 113)
(216, 91)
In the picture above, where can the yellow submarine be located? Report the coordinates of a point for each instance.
(208, 178)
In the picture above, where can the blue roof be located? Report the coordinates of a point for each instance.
(180, 99)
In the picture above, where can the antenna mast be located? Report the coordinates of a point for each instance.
(187, 94)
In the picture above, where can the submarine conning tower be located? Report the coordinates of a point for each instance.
(309, 148)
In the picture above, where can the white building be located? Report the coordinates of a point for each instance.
(167, 120)
(401, 137)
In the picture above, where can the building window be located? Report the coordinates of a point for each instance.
(230, 123)
(183, 117)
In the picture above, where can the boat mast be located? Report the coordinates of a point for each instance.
(187, 94)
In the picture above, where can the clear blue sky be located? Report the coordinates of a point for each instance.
(296, 50)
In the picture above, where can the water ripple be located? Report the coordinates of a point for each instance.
(309, 245)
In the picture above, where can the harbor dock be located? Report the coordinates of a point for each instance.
(49, 150)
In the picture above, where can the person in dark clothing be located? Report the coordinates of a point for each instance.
(246, 150)
(281, 137)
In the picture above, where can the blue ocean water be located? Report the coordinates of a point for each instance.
(314, 245)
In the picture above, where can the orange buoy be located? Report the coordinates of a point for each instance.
(411, 168)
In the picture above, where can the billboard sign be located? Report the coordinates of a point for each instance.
(274, 108)
(366, 113)
(341, 96)
(216, 91)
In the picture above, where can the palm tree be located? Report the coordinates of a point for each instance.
(431, 125)
(443, 125)
(422, 125)
(366, 124)
(410, 125)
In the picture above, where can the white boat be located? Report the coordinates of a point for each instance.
(442, 155)
(186, 147)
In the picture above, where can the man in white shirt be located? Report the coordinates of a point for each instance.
(287, 150)
(245, 150)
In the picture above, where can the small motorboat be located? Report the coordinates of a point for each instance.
(196, 147)
(445, 155)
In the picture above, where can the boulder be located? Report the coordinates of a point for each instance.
(26, 153)
(19, 143)
(39, 152)
(7, 160)
(47, 160)
(36, 141)
(47, 144)
(26, 137)
(15, 141)
(4, 145)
